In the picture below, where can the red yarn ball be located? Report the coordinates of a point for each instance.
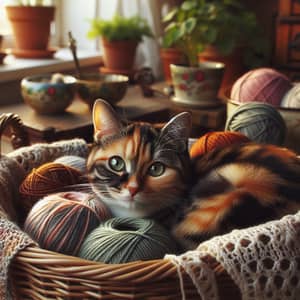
(262, 85)
(216, 139)
(60, 222)
(47, 179)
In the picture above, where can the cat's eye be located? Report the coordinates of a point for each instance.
(116, 163)
(156, 169)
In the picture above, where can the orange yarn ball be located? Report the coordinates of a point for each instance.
(46, 179)
(216, 139)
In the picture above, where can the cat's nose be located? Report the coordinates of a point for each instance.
(132, 190)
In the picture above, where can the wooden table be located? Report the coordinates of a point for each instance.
(77, 120)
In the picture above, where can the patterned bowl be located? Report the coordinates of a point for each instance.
(291, 117)
(49, 93)
(110, 87)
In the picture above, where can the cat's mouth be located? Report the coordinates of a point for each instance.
(123, 196)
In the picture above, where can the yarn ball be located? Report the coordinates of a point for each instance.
(216, 139)
(76, 162)
(292, 98)
(261, 85)
(60, 222)
(260, 122)
(47, 179)
(122, 240)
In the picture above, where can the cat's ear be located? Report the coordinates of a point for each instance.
(177, 130)
(105, 120)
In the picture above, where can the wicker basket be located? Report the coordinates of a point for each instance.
(35, 273)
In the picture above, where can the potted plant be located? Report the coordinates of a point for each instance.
(200, 28)
(31, 22)
(120, 37)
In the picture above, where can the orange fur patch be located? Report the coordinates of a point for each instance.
(209, 212)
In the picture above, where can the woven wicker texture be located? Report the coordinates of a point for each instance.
(35, 273)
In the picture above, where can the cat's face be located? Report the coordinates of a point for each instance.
(138, 170)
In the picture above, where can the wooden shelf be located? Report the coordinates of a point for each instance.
(77, 120)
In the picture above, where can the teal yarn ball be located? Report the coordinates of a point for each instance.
(122, 240)
(260, 122)
(60, 222)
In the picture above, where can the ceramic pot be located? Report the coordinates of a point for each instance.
(197, 86)
(31, 26)
(119, 55)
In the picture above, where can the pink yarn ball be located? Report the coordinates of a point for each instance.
(262, 85)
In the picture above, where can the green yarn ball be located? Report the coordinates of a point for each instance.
(122, 240)
(260, 122)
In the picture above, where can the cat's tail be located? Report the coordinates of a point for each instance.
(234, 196)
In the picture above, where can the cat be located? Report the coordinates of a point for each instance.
(141, 171)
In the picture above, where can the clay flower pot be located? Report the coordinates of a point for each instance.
(31, 27)
(119, 55)
(170, 56)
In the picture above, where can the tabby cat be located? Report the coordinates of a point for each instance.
(141, 171)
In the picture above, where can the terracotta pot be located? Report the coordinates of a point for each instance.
(31, 25)
(170, 56)
(119, 55)
(234, 66)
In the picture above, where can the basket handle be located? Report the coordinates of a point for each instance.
(17, 133)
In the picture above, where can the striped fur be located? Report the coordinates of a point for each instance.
(132, 191)
(234, 187)
(237, 187)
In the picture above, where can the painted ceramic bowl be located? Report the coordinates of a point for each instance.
(109, 87)
(49, 93)
(291, 117)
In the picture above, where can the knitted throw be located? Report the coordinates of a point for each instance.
(13, 169)
(263, 261)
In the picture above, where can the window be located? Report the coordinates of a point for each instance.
(5, 29)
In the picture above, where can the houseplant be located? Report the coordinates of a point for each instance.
(223, 27)
(120, 37)
(31, 22)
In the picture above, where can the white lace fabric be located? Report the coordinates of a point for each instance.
(200, 272)
(263, 261)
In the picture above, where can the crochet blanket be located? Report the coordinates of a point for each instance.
(13, 169)
(263, 261)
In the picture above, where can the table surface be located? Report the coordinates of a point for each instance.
(76, 121)
(78, 115)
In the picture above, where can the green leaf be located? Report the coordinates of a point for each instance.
(170, 26)
(171, 37)
(120, 28)
(169, 16)
(189, 5)
(189, 25)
